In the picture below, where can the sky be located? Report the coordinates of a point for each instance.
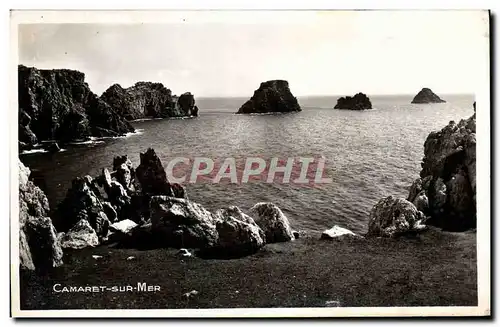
(323, 53)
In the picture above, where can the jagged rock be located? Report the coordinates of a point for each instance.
(448, 177)
(392, 217)
(426, 96)
(183, 224)
(80, 236)
(271, 96)
(337, 232)
(61, 107)
(238, 233)
(153, 179)
(110, 212)
(38, 247)
(144, 99)
(124, 226)
(81, 202)
(26, 135)
(123, 171)
(358, 102)
(273, 222)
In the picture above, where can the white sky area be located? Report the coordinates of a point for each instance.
(327, 53)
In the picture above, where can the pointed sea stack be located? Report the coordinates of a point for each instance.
(427, 96)
(271, 96)
(358, 102)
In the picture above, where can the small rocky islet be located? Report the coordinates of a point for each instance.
(359, 101)
(426, 96)
(271, 97)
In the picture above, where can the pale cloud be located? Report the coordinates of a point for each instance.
(333, 53)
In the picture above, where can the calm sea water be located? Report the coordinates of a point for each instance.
(369, 154)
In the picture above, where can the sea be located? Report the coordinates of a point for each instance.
(368, 154)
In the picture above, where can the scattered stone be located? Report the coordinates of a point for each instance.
(190, 294)
(296, 234)
(184, 253)
(332, 303)
(97, 257)
(130, 258)
(337, 232)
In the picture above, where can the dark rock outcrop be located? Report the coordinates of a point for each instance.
(360, 101)
(146, 99)
(426, 96)
(271, 96)
(58, 105)
(38, 247)
(446, 189)
(392, 217)
(80, 236)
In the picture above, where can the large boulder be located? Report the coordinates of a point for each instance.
(80, 236)
(60, 106)
(273, 222)
(144, 99)
(238, 233)
(38, 244)
(360, 101)
(183, 224)
(392, 217)
(271, 96)
(446, 189)
(426, 96)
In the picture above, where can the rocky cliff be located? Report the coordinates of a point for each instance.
(358, 102)
(57, 104)
(444, 195)
(271, 96)
(426, 96)
(446, 189)
(146, 99)
(39, 247)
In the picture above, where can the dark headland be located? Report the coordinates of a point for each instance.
(57, 105)
(130, 224)
(271, 97)
(427, 96)
(360, 101)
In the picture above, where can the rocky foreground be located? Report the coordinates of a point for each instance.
(427, 96)
(360, 101)
(271, 97)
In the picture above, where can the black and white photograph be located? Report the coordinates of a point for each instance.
(205, 163)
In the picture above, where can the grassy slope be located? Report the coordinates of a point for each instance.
(437, 269)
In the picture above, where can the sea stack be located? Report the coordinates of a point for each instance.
(427, 96)
(358, 102)
(148, 100)
(57, 104)
(271, 96)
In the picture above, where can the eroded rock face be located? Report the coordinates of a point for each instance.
(426, 96)
(273, 222)
(446, 190)
(146, 99)
(360, 101)
(271, 96)
(392, 217)
(58, 105)
(187, 104)
(39, 247)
